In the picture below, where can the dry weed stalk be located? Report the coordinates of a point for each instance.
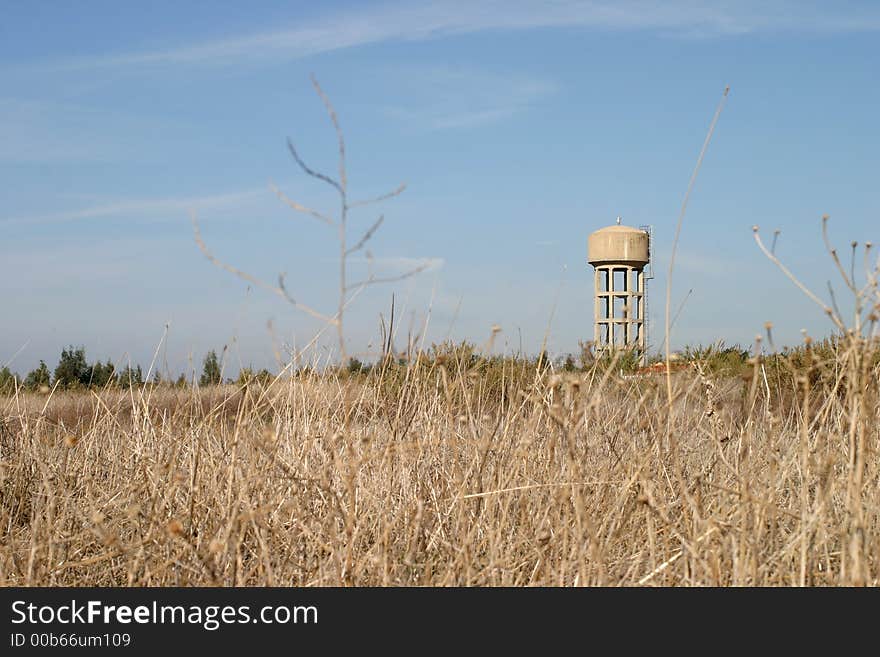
(423, 474)
(858, 360)
(687, 195)
(348, 290)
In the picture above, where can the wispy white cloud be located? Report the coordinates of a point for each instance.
(393, 265)
(440, 98)
(408, 21)
(35, 131)
(469, 119)
(158, 207)
(41, 131)
(404, 264)
(49, 264)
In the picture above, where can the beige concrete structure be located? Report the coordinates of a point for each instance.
(619, 255)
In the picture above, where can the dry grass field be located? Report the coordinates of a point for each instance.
(459, 469)
(453, 471)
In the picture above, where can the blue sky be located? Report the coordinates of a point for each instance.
(519, 128)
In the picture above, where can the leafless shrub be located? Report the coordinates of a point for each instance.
(347, 247)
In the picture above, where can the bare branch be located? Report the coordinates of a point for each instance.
(828, 310)
(833, 299)
(680, 308)
(775, 237)
(354, 295)
(852, 265)
(283, 288)
(312, 172)
(870, 274)
(345, 298)
(341, 186)
(343, 178)
(299, 207)
(684, 203)
(372, 229)
(833, 252)
(280, 291)
(383, 197)
(371, 279)
(391, 279)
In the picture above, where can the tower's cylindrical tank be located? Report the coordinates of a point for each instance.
(619, 245)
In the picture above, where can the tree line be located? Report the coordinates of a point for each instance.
(73, 371)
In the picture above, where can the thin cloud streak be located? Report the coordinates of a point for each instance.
(405, 22)
(400, 264)
(140, 207)
(443, 98)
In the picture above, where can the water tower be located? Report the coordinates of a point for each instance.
(619, 255)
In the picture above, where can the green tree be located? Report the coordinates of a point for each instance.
(542, 362)
(8, 381)
(355, 366)
(455, 355)
(37, 378)
(181, 381)
(131, 376)
(247, 376)
(72, 368)
(103, 374)
(210, 370)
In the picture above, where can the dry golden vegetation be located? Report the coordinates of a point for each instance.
(454, 471)
(451, 468)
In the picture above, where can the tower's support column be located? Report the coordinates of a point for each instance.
(610, 307)
(597, 306)
(642, 319)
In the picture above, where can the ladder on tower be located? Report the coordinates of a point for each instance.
(649, 275)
